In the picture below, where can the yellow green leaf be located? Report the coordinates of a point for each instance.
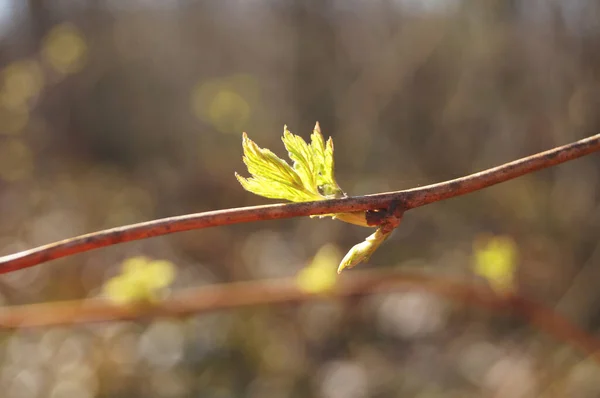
(310, 178)
(323, 155)
(274, 190)
(304, 160)
(273, 177)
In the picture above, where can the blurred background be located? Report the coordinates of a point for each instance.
(121, 111)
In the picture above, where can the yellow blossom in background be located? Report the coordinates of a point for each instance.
(225, 103)
(21, 81)
(228, 109)
(320, 275)
(65, 49)
(495, 259)
(141, 280)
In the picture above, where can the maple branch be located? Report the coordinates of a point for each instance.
(285, 290)
(405, 200)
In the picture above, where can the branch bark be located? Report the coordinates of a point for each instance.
(406, 200)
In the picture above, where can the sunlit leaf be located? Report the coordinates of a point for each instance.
(304, 160)
(310, 177)
(323, 155)
(272, 177)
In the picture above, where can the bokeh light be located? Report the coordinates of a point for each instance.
(344, 379)
(412, 315)
(65, 49)
(320, 275)
(495, 259)
(226, 103)
(13, 119)
(141, 280)
(162, 344)
(21, 81)
(16, 160)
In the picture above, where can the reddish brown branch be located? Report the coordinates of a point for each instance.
(277, 291)
(408, 199)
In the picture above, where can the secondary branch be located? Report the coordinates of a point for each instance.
(279, 291)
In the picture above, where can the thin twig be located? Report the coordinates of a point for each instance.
(407, 199)
(277, 291)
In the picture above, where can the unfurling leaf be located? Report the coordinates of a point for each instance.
(323, 154)
(310, 178)
(273, 177)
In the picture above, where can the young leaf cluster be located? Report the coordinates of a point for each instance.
(310, 178)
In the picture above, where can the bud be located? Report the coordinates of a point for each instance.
(363, 251)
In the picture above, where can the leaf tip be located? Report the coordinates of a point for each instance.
(287, 134)
(243, 181)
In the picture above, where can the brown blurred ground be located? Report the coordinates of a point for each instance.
(114, 112)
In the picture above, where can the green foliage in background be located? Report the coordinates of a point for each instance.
(141, 281)
(495, 259)
(318, 276)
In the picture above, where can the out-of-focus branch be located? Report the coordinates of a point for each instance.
(277, 291)
(405, 200)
